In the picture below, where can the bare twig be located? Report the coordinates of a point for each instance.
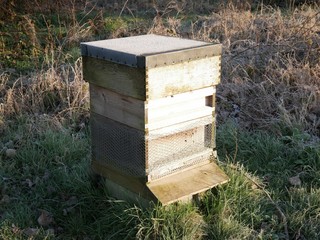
(124, 6)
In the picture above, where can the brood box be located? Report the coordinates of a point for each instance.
(153, 114)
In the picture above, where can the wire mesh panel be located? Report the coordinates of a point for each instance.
(181, 148)
(118, 146)
(157, 154)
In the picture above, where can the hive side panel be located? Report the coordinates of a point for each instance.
(118, 146)
(125, 80)
(127, 110)
(183, 77)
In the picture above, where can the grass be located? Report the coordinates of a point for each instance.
(268, 123)
(50, 172)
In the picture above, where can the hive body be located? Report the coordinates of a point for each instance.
(152, 104)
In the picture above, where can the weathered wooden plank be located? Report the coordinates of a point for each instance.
(136, 197)
(183, 77)
(127, 110)
(120, 185)
(128, 81)
(186, 183)
(161, 81)
(180, 55)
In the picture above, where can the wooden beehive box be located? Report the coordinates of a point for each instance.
(153, 115)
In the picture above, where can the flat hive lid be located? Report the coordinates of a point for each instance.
(149, 50)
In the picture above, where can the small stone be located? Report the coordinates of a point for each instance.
(11, 153)
(295, 181)
(46, 176)
(45, 219)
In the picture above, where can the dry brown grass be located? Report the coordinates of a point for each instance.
(270, 68)
(59, 90)
(270, 65)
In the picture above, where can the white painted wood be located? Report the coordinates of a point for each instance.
(179, 118)
(180, 98)
(185, 106)
(165, 112)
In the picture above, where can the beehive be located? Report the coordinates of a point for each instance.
(152, 103)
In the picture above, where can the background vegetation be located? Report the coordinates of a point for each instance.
(268, 106)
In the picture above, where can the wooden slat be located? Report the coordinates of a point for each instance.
(187, 183)
(181, 97)
(161, 81)
(165, 112)
(124, 194)
(183, 77)
(128, 81)
(179, 104)
(127, 110)
(179, 118)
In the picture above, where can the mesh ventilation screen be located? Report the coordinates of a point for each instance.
(157, 153)
(118, 146)
(179, 147)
